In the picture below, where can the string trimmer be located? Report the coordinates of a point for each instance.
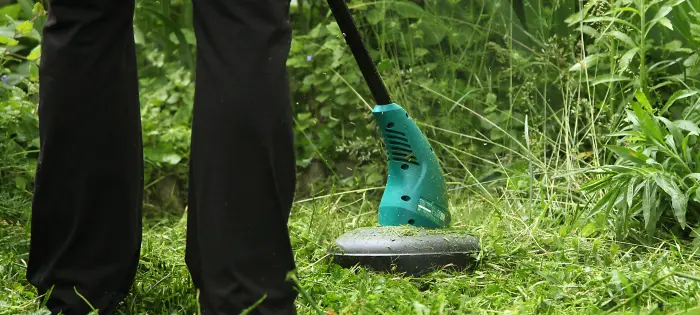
(413, 211)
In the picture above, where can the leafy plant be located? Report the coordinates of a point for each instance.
(20, 49)
(657, 173)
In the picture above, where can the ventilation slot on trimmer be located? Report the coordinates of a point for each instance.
(406, 145)
(397, 138)
(399, 149)
(396, 132)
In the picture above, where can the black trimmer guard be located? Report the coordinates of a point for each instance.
(406, 250)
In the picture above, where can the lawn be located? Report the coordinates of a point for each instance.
(529, 264)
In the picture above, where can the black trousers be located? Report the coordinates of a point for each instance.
(86, 218)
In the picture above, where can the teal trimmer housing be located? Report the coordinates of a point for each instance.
(415, 192)
(413, 212)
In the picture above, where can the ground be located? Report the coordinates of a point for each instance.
(529, 264)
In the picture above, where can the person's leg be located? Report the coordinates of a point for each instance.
(86, 215)
(242, 180)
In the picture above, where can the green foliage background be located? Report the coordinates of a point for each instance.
(519, 99)
(567, 129)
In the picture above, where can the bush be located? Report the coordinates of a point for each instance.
(656, 178)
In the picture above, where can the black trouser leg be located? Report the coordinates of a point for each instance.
(86, 215)
(242, 162)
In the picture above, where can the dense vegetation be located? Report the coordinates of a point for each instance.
(568, 130)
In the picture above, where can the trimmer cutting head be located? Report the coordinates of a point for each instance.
(413, 251)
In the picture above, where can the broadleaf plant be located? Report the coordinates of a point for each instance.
(656, 176)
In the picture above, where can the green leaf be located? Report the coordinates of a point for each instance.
(622, 9)
(33, 72)
(603, 201)
(407, 9)
(375, 15)
(597, 184)
(693, 59)
(677, 46)
(433, 30)
(38, 9)
(35, 53)
(646, 203)
(614, 249)
(322, 97)
(592, 32)
(608, 78)
(624, 133)
(647, 123)
(587, 62)
(623, 38)
(620, 169)
(632, 116)
(688, 125)
(663, 11)
(421, 52)
(652, 130)
(666, 23)
(671, 142)
(629, 154)
(8, 41)
(679, 201)
(649, 210)
(189, 35)
(614, 194)
(385, 64)
(20, 182)
(138, 36)
(11, 10)
(25, 27)
(576, 17)
(171, 158)
(627, 58)
(610, 19)
(673, 129)
(678, 95)
(333, 28)
(630, 191)
(642, 99)
(589, 230)
(686, 150)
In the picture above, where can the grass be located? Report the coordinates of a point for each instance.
(527, 266)
(543, 252)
